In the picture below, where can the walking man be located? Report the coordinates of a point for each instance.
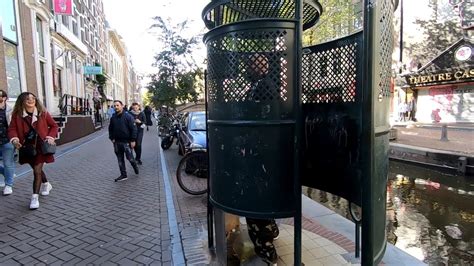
(123, 134)
(139, 117)
(6, 147)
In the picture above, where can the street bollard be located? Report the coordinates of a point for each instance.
(462, 165)
(444, 133)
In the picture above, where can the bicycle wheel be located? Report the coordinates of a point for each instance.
(192, 173)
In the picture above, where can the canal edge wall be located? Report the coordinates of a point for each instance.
(439, 159)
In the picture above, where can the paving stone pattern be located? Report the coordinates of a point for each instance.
(191, 214)
(88, 218)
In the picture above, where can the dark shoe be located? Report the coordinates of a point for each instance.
(121, 178)
(275, 231)
(135, 167)
(139, 162)
(269, 255)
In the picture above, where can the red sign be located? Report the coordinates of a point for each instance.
(63, 7)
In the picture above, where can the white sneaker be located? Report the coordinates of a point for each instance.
(34, 202)
(46, 188)
(7, 190)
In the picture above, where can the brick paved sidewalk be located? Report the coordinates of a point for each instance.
(191, 214)
(88, 218)
(460, 141)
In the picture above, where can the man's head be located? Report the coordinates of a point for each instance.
(136, 107)
(257, 66)
(118, 105)
(3, 96)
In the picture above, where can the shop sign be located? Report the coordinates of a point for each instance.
(92, 70)
(437, 78)
(463, 53)
(63, 7)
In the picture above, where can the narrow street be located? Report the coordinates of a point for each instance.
(88, 218)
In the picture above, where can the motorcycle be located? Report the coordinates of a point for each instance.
(169, 133)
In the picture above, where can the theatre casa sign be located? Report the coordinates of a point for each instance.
(443, 77)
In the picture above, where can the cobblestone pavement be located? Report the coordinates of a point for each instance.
(88, 218)
(191, 214)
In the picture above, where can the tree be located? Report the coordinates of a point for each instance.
(100, 81)
(439, 32)
(178, 74)
(339, 18)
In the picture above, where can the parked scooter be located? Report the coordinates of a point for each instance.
(169, 133)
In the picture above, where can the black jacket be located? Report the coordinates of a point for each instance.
(141, 117)
(122, 127)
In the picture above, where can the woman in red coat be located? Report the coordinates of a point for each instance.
(29, 118)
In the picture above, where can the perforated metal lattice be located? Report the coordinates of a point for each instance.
(329, 73)
(223, 12)
(248, 66)
(386, 48)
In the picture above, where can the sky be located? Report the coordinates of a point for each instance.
(132, 20)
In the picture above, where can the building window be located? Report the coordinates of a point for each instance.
(43, 81)
(7, 13)
(10, 44)
(12, 69)
(40, 36)
(65, 20)
(74, 28)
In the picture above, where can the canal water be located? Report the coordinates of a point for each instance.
(430, 214)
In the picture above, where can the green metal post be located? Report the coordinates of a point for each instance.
(298, 129)
(368, 139)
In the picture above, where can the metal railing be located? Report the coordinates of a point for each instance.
(73, 105)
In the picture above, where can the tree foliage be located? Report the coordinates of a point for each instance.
(101, 81)
(438, 32)
(177, 73)
(339, 18)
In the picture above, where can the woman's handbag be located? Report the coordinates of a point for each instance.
(47, 148)
(27, 151)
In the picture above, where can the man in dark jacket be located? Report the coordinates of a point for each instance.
(140, 120)
(123, 134)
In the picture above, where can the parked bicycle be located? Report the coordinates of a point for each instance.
(193, 172)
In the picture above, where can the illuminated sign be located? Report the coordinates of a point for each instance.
(456, 76)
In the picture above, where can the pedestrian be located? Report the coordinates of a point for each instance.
(148, 120)
(110, 111)
(412, 109)
(139, 117)
(6, 147)
(262, 232)
(30, 128)
(402, 110)
(123, 134)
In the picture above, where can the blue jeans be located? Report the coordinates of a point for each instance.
(8, 167)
